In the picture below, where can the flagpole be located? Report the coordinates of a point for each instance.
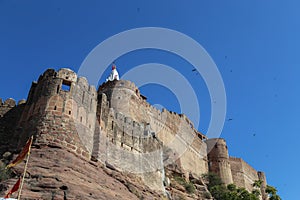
(25, 169)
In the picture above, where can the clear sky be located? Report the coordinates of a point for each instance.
(255, 45)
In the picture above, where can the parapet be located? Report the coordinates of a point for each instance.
(6, 106)
(67, 74)
(235, 159)
(217, 148)
(63, 82)
(120, 92)
(215, 141)
(82, 81)
(121, 84)
(22, 101)
(9, 102)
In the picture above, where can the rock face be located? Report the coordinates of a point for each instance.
(57, 173)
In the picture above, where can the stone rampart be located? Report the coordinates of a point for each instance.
(176, 131)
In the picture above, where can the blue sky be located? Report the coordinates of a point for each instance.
(255, 45)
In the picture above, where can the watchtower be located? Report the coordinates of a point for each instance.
(218, 159)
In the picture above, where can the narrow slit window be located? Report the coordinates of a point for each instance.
(83, 96)
(91, 104)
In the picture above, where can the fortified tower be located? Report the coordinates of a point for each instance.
(61, 108)
(218, 159)
(124, 97)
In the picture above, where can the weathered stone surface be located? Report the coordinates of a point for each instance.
(55, 172)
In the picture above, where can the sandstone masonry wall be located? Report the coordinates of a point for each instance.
(244, 175)
(175, 130)
(127, 145)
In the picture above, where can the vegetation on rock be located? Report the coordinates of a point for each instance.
(189, 187)
(220, 191)
(272, 193)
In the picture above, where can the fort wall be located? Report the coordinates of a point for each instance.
(176, 131)
(127, 145)
(244, 175)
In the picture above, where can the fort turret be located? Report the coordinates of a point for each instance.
(218, 159)
(61, 108)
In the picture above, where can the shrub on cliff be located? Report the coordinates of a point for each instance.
(4, 173)
(188, 186)
(272, 193)
(219, 191)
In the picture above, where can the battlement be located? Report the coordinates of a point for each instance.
(133, 128)
(8, 102)
(63, 82)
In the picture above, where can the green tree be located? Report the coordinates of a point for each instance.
(257, 183)
(4, 173)
(272, 191)
(213, 180)
(220, 192)
(256, 192)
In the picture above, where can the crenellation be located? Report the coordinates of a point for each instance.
(9, 102)
(22, 101)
